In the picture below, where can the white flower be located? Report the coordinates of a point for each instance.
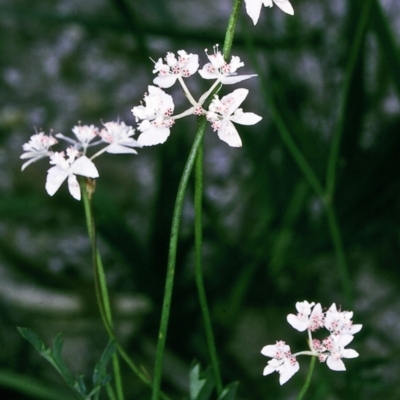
(282, 361)
(85, 134)
(339, 322)
(156, 117)
(185, 66)
(118, 135)
(37, 148)
(301, 320)
(223, 112)
(219, 69)
(253, 7)
(67, 168)
(335, 351)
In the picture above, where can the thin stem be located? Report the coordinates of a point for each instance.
(283, 131)
(308, 379)
(162, 336)
(230, 32)
(102, 296)
(340, 254)
(187, 92)
(198, 195)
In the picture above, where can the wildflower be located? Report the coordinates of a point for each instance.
(335, 351)
(301, 320)
(37, 148)
(69, 167)
(331, 350)
(305, 318)
(282, 361)
(222, 112)
(253, 7)
(339, 322)
(175, 68)
(118, 135)
(219, 69)
(156, 117)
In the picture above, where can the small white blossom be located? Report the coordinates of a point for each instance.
(223, 112)
(253, 7)
(156, 117)
(339, 322)
(282, 361)
(37, 148)
(301, 320)
(219, 69)
(335, 351)
(85, 134)
(118, 135)
(68, 167)
(183, 66)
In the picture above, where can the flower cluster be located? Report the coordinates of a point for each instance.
(331, 349)
(116, 137)
(155, 116)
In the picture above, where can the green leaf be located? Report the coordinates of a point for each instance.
(56, 354)
(79, 385)
(229, 393)
(100, 376)
(32, 338)
(201, 383)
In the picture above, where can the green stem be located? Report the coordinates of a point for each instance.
(308, 379)
(230, 31)
(278, 118)
(311, 177)
(102, 296)
(340, 254)
(198, 195)
(169, 283)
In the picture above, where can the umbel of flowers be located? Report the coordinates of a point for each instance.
(331, 349)
(155, 118)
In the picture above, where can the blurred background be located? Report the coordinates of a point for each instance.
(267, 240)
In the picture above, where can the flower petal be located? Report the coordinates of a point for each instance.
(84, 166)
(269, 350)
(120, 148)
(253, 9)
(74, 188)
(153, 136)
(205, 74)
(287, 370)
(228, 134)
(231, 79)
(297, 323)
(165, 81)
(55, 177)
(234, 100)
(285, 6)
(335, 364)
(349, 353)
(247, 118)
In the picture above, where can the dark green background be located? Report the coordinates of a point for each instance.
(266, 238)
